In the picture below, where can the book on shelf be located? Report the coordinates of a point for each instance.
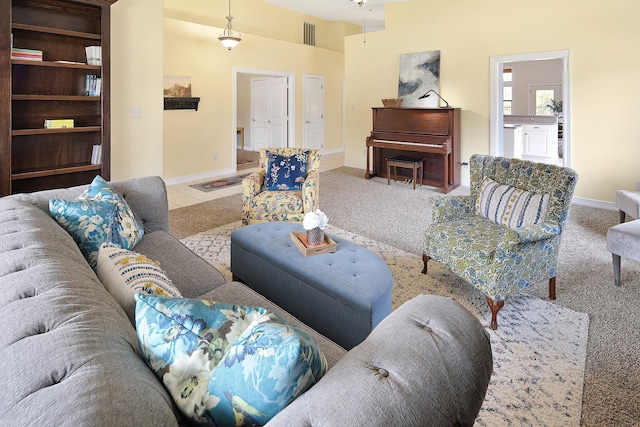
(26, 54)
(58, 123)
(93, 85)
(96, 154)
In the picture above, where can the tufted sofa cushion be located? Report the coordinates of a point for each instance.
(63, 339)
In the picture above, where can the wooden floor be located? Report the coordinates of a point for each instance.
(182, 195)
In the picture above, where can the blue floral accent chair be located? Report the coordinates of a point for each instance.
(284, 188)
(505, 235)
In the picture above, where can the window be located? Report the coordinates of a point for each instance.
(507, 90)
(544, 98)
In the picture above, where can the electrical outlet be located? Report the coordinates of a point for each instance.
(135, 112)
(638, 185)
(215, 157)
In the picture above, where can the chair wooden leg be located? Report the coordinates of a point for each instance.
(616, 269)
(495, 308)
(425, 260)
(552, 288)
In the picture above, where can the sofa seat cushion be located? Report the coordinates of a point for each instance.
(190, 274)
(226, 363)
(67, 348)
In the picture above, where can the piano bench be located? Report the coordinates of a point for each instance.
(404, 162)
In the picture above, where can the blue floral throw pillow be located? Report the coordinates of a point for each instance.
(285, 173)
(98, 215)
(225, 365)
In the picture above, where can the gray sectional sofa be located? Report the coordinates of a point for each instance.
(69, 355)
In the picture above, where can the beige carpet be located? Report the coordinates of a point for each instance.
(396, 215)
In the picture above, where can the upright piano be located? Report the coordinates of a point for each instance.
(430, 134)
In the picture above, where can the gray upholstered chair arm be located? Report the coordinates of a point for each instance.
(426, 364)
(450, 208)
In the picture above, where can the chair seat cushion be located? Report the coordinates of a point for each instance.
(285, 206)
(624, 240)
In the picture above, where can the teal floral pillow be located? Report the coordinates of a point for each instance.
(98, 215)
(223, 364)
(285, 173)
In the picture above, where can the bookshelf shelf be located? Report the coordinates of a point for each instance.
(68, 169)
(20, 132)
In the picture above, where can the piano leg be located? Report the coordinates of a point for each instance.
(367, 175)
(445, 172)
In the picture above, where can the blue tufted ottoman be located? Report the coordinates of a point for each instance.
(343, 295)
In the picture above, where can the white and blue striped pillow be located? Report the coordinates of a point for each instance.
(511, 206)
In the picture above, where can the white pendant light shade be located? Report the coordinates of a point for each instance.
(229, 38)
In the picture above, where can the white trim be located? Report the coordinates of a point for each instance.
(592, 203)
(495, 101)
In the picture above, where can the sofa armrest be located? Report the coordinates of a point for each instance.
(311, 191)
(427, 363)
(450, 208)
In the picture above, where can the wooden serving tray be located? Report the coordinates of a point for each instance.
(299, 238)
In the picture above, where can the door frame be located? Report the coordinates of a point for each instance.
(291, 96)
(495, 104)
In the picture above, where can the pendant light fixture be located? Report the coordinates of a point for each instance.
(360, 2)
(229, 38)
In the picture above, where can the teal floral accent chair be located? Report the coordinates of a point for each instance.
(505, 235)
(284, 188)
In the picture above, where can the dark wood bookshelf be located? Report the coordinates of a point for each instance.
(32, 157)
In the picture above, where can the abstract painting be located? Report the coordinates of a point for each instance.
(419, 73)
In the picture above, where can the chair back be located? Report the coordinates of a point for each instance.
(541, 178)
(313, 159)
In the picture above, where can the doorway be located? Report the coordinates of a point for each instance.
(241, 108)
(498, 64)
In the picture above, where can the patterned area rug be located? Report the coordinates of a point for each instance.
(539, 349)
(218, 183)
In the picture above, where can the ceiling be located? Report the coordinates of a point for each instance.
(370, 15)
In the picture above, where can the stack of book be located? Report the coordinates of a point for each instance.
(26, 54)
(93, 85)
(96, 155)
(58, 123)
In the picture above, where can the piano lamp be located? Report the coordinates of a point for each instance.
(426, 95)
(229, 38)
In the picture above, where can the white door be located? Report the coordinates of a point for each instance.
(269, 112)
(260, 113)
(279, 120)
(313, 112)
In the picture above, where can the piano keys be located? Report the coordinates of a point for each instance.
(430, 134)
